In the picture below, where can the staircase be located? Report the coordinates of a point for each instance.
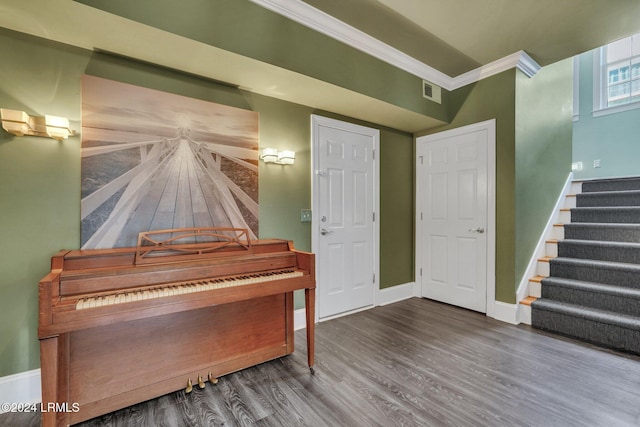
(592, 291)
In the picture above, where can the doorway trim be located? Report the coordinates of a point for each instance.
(316, 122)
(490, 127)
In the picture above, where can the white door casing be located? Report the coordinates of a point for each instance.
(455, 216)
(344, 203)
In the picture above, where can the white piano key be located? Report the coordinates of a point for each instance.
(182, 289)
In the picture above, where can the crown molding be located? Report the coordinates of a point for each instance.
(519, 60)
(319, 21)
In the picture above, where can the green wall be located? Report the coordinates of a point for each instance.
(40, 178)
(396, 215)
(612, 139)
(39, 187)
(543, 152)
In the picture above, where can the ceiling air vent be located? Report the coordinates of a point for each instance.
(431, 92)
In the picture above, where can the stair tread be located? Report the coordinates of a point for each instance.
(608, 192)
(600, 243)
(528, 300)
(604, 208)
(593, 287)
(610, 265)
(601, 224)
(603, 316)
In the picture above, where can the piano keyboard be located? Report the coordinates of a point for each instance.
(183, 288)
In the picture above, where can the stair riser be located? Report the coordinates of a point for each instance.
(596, 252)
(535, 289)
(558, 232)
(624, 277)
(624, 216)
(565, 216)
(570, 201)
(600, 301)
(604, 334)
(608, 199)
(604, 233)
(612, 185)
(543, 269)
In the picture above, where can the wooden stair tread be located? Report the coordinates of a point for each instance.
(528, 300)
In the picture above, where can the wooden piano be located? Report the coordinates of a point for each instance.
(121, 326)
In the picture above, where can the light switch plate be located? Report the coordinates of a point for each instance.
(305, 215)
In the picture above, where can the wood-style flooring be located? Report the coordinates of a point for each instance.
(412, 363)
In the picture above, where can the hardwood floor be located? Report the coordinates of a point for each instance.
(412, 363)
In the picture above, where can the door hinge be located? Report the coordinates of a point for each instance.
(373, 217)
(421, 216)
(374, 277)
(422, 160)
(373, 154)
(420, 271)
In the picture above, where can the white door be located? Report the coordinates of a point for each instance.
(453, 211)
(344, 205)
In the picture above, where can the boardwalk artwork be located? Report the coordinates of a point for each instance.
(153, 160)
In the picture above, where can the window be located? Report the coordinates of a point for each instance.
(617, 76)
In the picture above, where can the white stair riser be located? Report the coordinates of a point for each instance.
(565, 216)
(576, 187)
(558, 232)
(535, 289)
(551, 249)
(544, 269)
(570, 201)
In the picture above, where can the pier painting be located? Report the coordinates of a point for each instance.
(152, 160)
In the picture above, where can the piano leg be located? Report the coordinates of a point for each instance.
(310, 308)
(53, 372)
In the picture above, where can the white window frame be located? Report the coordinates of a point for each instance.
(576, 88)
(600, 87)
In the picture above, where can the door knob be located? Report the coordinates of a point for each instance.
(324, 231)
(478, 230)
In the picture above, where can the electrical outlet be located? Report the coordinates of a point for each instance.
(596, 163)
(305, 215)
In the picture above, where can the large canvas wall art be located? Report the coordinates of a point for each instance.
(152, 160)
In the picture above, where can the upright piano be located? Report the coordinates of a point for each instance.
(124, 325)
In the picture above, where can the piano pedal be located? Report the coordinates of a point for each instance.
(212, 379)
(189, 387)
(201, 383)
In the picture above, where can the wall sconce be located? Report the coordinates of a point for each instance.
(272, 155)
(20, 123)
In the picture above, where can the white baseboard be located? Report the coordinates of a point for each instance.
(23, 387)
(299, 319)
(524, 314)
(506, 312)
(395, 293)
(385, 296)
